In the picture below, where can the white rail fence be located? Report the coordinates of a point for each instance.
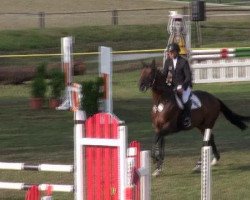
(225, 70)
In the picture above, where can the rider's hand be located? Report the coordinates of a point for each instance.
(179, 89)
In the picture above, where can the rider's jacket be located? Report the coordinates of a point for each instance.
(180, 75)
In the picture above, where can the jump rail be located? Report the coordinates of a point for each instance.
(41, 167)
(220, 65)
(42, 187)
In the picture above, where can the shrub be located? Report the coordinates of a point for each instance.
(39, 85)
(92, 93)
(56, 83)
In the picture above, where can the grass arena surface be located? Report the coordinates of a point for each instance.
(46, 136)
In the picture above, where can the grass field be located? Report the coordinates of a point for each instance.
(47, 136)
(127, 37)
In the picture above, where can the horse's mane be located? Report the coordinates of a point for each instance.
(160, 83)
(154, 78)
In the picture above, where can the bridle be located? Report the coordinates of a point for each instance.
(153, 82)
(150, 83)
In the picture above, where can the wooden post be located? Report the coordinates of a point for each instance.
(41, 20)
(199, 35)
(114, 17)
(185, 10)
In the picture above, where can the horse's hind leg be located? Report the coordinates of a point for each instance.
(216, 153)
(214, 149)
(158, 153)
(197, 166)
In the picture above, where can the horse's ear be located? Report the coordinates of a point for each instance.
(143, 64)
(153, 65)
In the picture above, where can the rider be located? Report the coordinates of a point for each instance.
(178, 73)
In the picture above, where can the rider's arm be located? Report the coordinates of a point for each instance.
(188, 78)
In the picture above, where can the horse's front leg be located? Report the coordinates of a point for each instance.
(158, 153)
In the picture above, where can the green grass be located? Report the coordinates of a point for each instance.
(46, 136)
(127, 37)
(118, 37)
(86, 38)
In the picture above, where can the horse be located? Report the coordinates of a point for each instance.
(167, 115)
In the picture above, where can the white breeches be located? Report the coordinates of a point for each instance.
(186, 94)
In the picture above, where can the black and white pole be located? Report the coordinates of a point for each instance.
(206, 167)
(41, 167)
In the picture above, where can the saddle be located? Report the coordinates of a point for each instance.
(196, 103)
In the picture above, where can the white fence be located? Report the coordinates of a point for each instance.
(225, 70)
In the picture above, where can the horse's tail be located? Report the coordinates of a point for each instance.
(234, 118)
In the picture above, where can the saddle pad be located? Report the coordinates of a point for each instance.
(196, 103)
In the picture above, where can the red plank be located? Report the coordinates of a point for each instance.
(98, 164)
(89, 161)
(115, 164)
(107, 159)
(102, 163)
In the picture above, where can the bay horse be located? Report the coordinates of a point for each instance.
(166, 114)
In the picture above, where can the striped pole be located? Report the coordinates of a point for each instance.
(41, 167)
(220, 53)
(41, 187)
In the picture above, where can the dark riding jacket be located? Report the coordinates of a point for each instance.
(181, 75)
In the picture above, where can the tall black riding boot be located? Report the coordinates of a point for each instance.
(187, 114)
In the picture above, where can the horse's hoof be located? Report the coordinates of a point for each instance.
(214, 162)
(197, 168)
(157, 172)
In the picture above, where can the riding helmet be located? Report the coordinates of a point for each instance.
(173, 47)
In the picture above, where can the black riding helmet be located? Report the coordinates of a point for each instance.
(173, 47)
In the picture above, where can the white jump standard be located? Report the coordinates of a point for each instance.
(206, 173)
(67, 68)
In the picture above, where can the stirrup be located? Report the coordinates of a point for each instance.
(64, 106)
(187, 122)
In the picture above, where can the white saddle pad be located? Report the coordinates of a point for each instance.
(196, 103)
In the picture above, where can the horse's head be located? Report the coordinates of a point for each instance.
(148, 76)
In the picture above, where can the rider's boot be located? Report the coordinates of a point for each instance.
(187, 114)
